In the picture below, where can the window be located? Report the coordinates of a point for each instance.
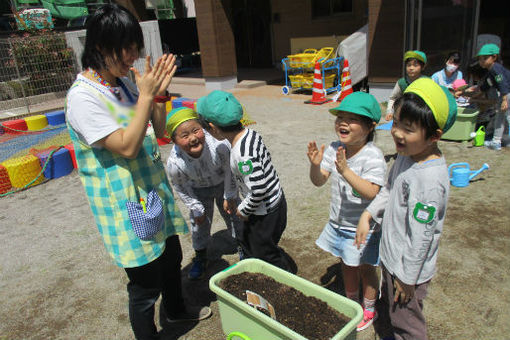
(324, 8)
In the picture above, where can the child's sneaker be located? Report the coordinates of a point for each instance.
(493, 145)
(368, 319)
(197, 269)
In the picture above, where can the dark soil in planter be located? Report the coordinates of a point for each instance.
(306, 315)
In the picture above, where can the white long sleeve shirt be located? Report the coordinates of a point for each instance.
(210, 169)
(411, 208)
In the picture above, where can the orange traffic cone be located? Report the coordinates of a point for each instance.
(346, 82)
(318, 94)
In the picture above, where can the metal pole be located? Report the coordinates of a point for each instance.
(19, 76)
(418, 29)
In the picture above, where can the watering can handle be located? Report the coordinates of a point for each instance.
(456, 165)
(238, 335)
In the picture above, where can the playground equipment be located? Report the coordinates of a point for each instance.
(299, 70)
(460, 174)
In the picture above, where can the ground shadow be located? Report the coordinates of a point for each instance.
(333, 280)
(195, 292)
(293, 268)
(175, 331)
(221, 243)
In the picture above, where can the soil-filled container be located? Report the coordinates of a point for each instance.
(237, 316)
(464, 125)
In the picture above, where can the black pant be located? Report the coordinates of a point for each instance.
(261, 233)
(161, 276)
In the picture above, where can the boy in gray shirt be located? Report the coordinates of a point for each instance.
(411, 208)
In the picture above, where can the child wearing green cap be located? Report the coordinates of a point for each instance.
(264, 208)
(411, 208)
(498, 78)
(357, 169)
(415, 62)
(199, 168)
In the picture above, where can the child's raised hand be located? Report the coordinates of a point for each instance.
(341, 160)
(315, 154)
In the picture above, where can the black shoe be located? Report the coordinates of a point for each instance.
(192, 313)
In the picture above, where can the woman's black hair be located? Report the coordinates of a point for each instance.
(413, 109)
(456, 57)
(110, 29)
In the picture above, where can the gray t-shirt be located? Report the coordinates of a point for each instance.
(412, 208)
(346, 204)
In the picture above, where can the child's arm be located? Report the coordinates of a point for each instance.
(363, 187)
(229, 185)
(318, 176)
(362, 229)
(395, 94)
(180, 182)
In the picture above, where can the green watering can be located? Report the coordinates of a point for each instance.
(478, 136)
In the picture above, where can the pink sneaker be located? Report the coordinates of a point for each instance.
(368, 318)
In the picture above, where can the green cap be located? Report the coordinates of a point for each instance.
(419, 55)
(488, 49)
(438, 98)
(360, 103)
(178, 116)
(220, 108)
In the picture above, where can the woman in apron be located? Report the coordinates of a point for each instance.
(113, 124)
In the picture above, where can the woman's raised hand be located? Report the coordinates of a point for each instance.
(150, 83)
(170, 67)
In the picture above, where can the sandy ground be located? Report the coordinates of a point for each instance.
(58, 282)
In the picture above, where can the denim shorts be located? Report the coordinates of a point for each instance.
(340, 243)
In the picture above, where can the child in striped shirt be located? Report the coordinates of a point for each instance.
(264, 208)
(357, 169)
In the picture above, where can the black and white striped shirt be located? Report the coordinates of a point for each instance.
(258, 181)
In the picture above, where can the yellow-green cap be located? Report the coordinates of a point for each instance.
(488, 49)
(419, 55)
(438, 98)
(220, 108)
(360, 103)
(178, 116)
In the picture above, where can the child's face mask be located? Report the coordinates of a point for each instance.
(451, 68)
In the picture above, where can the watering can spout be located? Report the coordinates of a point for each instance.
(485, 166)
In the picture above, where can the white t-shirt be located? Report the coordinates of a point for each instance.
(346, 204)
(89, 116)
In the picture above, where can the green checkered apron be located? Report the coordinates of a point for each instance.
(111, 180)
